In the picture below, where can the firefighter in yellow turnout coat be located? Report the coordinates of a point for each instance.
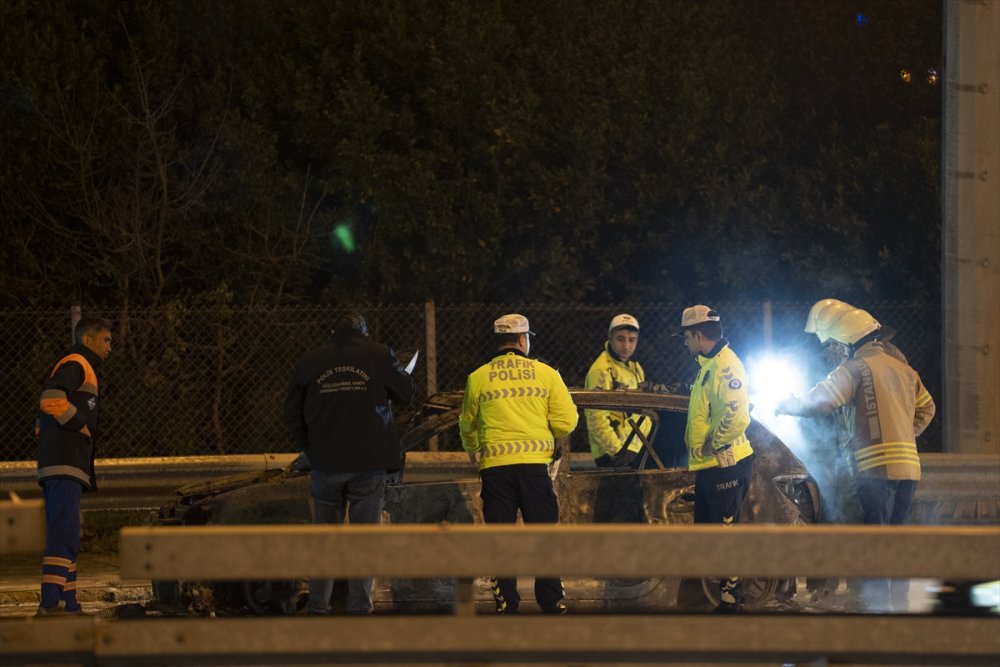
(513, 410)
(890, 407)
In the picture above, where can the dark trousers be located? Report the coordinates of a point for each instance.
(719, 492)
(528, 488)
(62, 542)
(886, 502)
(357, 496)
(718, 498)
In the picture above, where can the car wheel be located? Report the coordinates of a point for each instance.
(757, 591)
(167, 592)
(274, 597)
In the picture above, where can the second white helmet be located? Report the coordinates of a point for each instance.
(832, 319)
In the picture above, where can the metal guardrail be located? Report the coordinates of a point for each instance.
(147, 482)
(22, 525)
(570, 550)
(565, 640)
(142, 482)
(584, 550)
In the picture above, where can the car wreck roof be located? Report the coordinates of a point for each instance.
(588, 398)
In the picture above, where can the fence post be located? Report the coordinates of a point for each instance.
(430, 335)
(74, 318)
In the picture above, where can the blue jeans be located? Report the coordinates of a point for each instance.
(361, 495)
(886, 502)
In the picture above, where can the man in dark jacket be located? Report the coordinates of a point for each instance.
(338, 411)
(67, 428)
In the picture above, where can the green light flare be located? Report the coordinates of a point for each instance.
(344, 235)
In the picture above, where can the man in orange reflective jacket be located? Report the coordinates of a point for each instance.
(67, 429)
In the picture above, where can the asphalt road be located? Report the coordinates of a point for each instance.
(101, 590)
(100, 587)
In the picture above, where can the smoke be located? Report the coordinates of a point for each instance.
(817, 442)
(774, 376)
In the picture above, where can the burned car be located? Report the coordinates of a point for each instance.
(658, 488)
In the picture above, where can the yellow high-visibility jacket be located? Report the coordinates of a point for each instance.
(607, 430)
(891, 407)
(719, 411)
(513, 410)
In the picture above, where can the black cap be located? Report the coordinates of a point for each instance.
(351, 322)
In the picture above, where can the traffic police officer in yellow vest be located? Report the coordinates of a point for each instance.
(614, 436)
(718, 417)
(513, 410)
(890, 408)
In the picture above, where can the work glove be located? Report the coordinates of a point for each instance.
(553, 467)
(725, 457)
(787, 406)
(300, 463)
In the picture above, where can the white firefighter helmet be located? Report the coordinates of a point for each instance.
(852, 326)
(825, 311)
(840, 322)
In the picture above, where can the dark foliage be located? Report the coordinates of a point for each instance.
(261, 153)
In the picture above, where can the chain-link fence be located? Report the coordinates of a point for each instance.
(212, 381)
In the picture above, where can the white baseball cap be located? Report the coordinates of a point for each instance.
(623, 320)
(696, 315)
(512, 323)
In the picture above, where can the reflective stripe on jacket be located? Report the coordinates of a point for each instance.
(719, 411)
(891, 408)
(70, 400)
(513, 410)
(607, 430)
